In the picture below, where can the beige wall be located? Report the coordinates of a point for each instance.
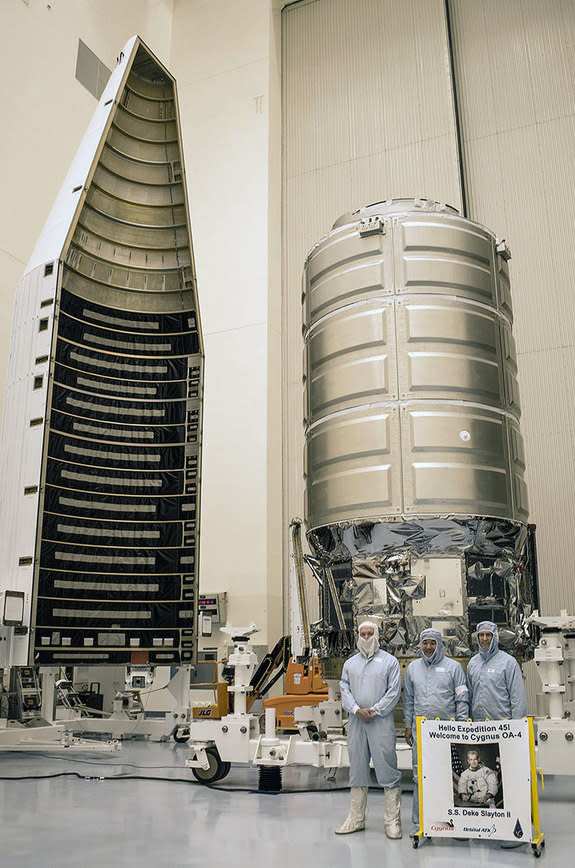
(515, 64)
(223, 57)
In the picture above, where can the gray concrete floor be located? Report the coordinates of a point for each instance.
(63, 821)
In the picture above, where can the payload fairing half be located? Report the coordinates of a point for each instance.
(102, 421)
(416, 500)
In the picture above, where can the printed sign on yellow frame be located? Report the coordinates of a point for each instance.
(478, 780)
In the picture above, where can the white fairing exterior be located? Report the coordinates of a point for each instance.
(53, 236)
(29, 384)
(21, 443)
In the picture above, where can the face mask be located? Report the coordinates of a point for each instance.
(368, 647)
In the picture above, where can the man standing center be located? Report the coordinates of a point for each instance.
(434, 686)
(370, 688)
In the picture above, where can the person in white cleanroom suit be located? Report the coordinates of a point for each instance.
(370, 688)
(434, 686)
(496, 689)
(477, 784)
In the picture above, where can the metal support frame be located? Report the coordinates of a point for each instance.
(555, 733)
(237, 738)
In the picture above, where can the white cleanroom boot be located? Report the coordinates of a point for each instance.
(391, 819)
(355, 820)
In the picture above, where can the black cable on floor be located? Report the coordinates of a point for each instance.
(178, 781)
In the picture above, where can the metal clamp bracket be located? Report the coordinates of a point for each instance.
(371, 226)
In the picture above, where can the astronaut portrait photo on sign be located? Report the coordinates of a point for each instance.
(476, 774)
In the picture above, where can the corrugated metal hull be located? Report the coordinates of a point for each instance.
(412, 399)
(414, 460)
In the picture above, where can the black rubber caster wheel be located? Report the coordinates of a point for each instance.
(217, 769)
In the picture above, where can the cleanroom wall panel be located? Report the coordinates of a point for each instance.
(233, 496)
(550, 35)
(418, 165)
(222, 51)
(368, 115)
(212, 37)
(518, 176)
(556, 144)
(551, 430)
(227, 184)
(514, 70)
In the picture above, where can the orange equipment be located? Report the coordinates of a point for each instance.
(221, 705)
(304, 686)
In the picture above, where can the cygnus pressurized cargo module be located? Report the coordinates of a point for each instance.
(416, 499)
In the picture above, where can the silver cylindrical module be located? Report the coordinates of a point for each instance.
(412, 404)
(411, 389)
